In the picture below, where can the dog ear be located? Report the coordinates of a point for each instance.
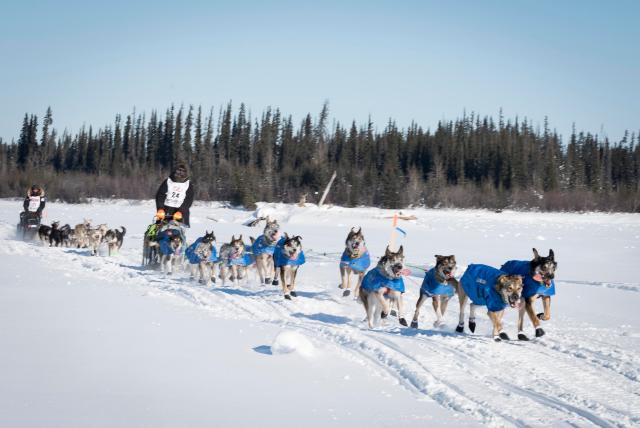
(240, 237)
(400, 251)
(536, 256)
(359, 230)
(286, 236)
(387, 252)
(252, 240)
(452, 257)
(551, 255)
(233, 238)
(439, 257)
(298, 237)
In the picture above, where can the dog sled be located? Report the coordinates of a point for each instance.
(29, 224)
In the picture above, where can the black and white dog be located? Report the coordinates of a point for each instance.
(202, 258)
(382, 282)
(538, 275)
(288, 257)
(59, 235)
(114, 239)
(233, 260)
(355, 260)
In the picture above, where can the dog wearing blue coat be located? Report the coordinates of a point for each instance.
(487, 286)
(384, 282)
(538, 275)
(440, 285)
(263, 248)
(287, 258)
(202, 257)
(355, 260)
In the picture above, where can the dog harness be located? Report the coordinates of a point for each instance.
(260, 246)
(357, 264)
(280, 259)
(195, 258)
(479, 283)
(164, 239)
(176, 193)
(431, 287)
(530, 287)
(375, 280)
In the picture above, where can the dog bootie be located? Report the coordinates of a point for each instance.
(541, 316)
(346, 292)
(504, 336)
(522, 336)
(393, 313)
(383, 314)
(403, 322)
(460, 328)
(287, 297)
(539, 332)
(275, 282)
(414, 324)
(267, 281)
(472, 325)
(293, 294)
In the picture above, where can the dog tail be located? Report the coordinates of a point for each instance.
(124, 230)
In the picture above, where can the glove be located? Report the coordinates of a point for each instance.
(160, 214)
(177, 216)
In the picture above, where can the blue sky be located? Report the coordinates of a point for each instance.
(573, 61)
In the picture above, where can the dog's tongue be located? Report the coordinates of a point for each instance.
(538, 277)
(406, 272)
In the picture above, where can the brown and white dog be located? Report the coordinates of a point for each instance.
(490, 287)
(81, 234)
(384, 282)
(440, 285)
(355, 260)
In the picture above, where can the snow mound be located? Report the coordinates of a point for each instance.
(291, 341)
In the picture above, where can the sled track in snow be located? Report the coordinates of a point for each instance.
(458, 372)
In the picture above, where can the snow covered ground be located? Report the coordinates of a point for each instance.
(98, 341)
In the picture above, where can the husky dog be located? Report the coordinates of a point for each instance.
(232, 260)
(263, 249)
(59, 235)
(202, 257)
(94, 239)
(169, 242)
(490, 287)
(384, 280)
(439, 284)
(355, 260)
(538, 277)
(114, 239)
(44, 232)
(81, 233)
(287, 258)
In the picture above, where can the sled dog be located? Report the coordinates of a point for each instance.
(440, 285)
(538, 282)
(233, 260)
(355, 260)
(490, 287)
(384, 282)
(202, 256)
(114, 239)
(263, 248)
(287, 258)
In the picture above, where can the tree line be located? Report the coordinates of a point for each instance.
(472, 161)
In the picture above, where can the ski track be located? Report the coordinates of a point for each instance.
(464, 373)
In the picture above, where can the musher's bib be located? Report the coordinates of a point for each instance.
(34, 203)
(176, 192)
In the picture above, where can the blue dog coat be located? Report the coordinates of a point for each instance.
(245, 260)
(194, 258)
(260, 246)
(164, 237)
(431, 286)
(530, 287)
(479, 283)
(279, 258)
(375, 280)
(358, 264)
